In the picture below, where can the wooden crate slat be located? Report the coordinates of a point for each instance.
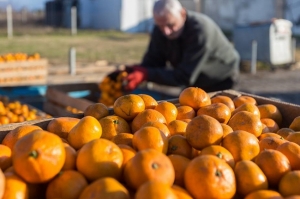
(24, 73)
(23, 64)
(64, 100)
(57, 111)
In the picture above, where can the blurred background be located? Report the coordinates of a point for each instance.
(117, 30)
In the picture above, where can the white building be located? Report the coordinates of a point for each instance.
(123, 15)
(136, 15)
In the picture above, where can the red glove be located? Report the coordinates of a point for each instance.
(135, 77)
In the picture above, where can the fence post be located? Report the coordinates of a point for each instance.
(294, 47)
(73, 20)
(72, 61)
(254, 57)
(9, 21)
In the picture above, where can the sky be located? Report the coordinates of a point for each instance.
(30, 4)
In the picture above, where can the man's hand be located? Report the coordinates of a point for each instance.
(135, 77)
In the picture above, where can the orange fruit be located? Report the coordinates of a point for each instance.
(246, 121)
(177, 144)
(225, 100)
(128, 106)
(289, 184)
(67, 184)
(285, 132)
(270, 111)
(220, 152)
(106, 187)
(274, 165)
(242, 145)
(264, 194)
(180, 164)
(271, 124)
(208, 176)
(5, 157)
(185, 112)
(219, 111)
(128, 153)
(168, 110)
(294, 137)
(270, 143)
(38, 156)
(249, 177)
(61, 126)
(150, 102)
(97, 110)
(154, 189)
(70, 161)
(243, 99)
(4, 119)
(203, 131)
(161, 126)
(265, 129)
(186, 120)
(150, 137)
(291, 150)
(113, 125)
(148, 165)
(177, 127)
(264, 135)
(123, 138)
(194, 97)
(226, 129)
(94, 166)
(295, 124)
(148, 115)
(14, 135)
(2, 183)
(15, 186)
(252, 108)
(87, 129)
(181, 192)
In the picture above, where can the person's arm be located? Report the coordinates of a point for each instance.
(194, 56)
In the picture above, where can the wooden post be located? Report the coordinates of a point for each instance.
(9, 21)
(72, 61)
(294, 47)
(254, 57)
(73, 20)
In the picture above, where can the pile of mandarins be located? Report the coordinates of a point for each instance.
(12, 57)
(202, 147)
(15, 111)
(111, 88)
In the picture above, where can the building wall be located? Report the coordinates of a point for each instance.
(137, 15)
(221, 11)
(106, 14)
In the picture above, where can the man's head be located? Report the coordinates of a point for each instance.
(169, 16)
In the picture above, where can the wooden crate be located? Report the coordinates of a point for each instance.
(289, 111)
(20, 73)
(58, 98)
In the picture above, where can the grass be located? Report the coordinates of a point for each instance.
(90, 45)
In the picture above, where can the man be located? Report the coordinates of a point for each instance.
(195, 47)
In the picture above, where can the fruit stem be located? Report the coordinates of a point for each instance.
(155, 166)
(33, 154)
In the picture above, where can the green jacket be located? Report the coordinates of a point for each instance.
(202, 49)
